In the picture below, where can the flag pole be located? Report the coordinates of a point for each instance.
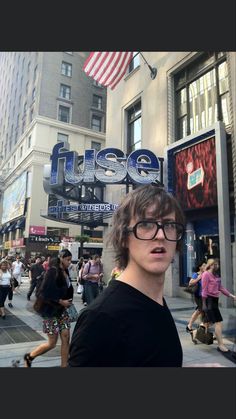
(152, 69)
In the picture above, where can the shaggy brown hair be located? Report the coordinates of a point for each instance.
(135, 205)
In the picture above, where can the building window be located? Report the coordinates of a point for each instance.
(31, 115)
(135, 62)
(96, 124)
(134, 139)
(23, 127)
(35, 72)
(14, 160)
(66, 69)
(28, 68)
(95, 83)
(54, 231)
(33, 93)
(25, 107)
(202, 94)
(65, 91)
(62, 137)
(16, 136)
(97, 101)
(21, 152)
(29, 141)
(64, 114)
(95, 145)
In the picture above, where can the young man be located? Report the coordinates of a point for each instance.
(35, 276)
(129, 324)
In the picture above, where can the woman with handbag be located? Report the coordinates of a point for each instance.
(196, 281)
(211, 289)
(53, 299)
(5, 285)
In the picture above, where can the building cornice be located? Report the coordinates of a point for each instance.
(70, 127)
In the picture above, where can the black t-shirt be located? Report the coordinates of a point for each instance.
(123, 327)
(36, 270)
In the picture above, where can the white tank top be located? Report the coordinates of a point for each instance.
(5, 278)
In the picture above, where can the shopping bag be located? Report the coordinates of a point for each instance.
(79, 289)
(72, 313)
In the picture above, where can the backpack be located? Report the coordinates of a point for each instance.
(81, 279)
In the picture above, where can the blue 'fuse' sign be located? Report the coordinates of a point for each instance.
(108, 166)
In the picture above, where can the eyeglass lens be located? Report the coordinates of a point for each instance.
(147, 230)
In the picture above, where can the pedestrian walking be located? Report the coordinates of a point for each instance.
(10, 292)
(79, 269)
(196, 280)
(17, 268)
(35, 275)
(116, 271)
(45, 264)
(129, 324)
(92, 275)
(211, 289)
(5, 285)
(54, 297)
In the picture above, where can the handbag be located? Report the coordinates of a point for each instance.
(204, 336)
(191, 289)
(72, 313)
(15, 282)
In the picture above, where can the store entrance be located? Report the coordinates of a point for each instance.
(201, 243)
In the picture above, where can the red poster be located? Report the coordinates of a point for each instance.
(195, 175)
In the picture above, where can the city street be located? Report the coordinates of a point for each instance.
(21, 331)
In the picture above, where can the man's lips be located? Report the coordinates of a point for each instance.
(158, 250)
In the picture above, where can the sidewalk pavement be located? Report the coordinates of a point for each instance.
(181, 309)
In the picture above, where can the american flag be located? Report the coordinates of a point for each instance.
(107, 68)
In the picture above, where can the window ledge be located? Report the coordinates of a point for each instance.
(97, 109)
(62, 99)
(131, 73)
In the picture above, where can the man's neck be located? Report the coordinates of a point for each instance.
(150, 285)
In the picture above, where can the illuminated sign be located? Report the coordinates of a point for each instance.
(107, 166)
(98, 207)
(37, 230)
(43, 239)
(80, 180)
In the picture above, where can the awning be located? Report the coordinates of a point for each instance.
(20, 223)
(12, 226)
(5, 229)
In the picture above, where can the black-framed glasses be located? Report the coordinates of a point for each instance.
(147, 230)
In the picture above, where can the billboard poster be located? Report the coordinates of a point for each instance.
(14, 199)
(195, 175)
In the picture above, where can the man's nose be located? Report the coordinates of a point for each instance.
(160, 234)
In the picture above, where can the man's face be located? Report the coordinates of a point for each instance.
(152, 256)
(97, 261)
(38, 260)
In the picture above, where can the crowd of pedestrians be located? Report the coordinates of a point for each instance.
(206, 295)
(129, 323)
